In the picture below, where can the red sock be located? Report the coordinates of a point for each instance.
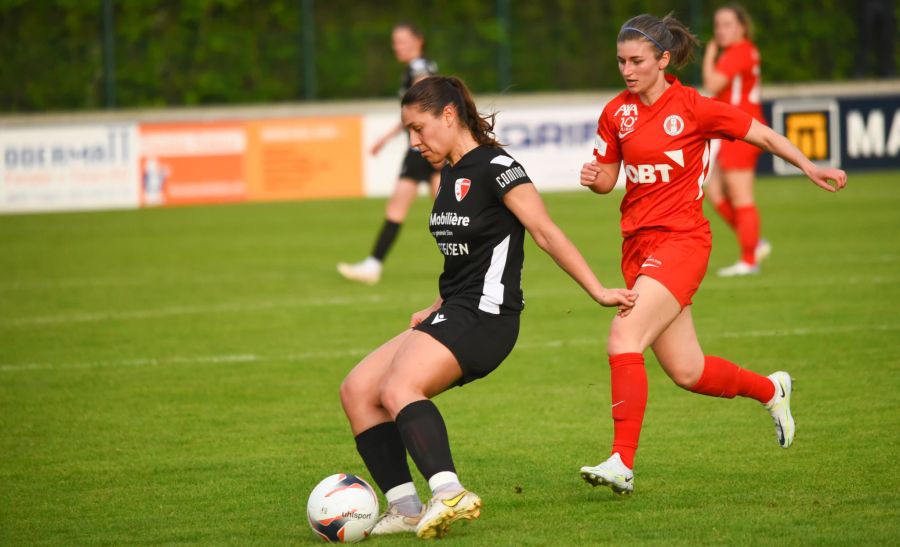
(629, 399)
(746, 221)
(726, 211)
(723, 378)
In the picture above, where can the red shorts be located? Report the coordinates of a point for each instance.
(678, 260)
(737, 154)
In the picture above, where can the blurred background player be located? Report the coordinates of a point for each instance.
(731, 72)
(409, 47)
(485, 203)
(660, 131)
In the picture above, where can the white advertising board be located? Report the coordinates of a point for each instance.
(63, 168)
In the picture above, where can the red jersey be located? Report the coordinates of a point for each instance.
(665, 151)
(740, 64)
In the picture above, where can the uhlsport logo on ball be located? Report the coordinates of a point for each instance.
(342, 509)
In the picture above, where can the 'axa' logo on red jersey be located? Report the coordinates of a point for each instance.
(462, 188)
(628, 117)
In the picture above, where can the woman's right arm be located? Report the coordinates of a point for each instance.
(713, 80)
(600, 178)
(379, 144)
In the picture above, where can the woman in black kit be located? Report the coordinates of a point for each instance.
(409, 45)
(483, 206)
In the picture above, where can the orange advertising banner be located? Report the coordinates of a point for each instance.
(188, 163)
(304, 158)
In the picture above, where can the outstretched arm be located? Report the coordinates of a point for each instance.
(525, 202)
(764, 137)
(381, 142)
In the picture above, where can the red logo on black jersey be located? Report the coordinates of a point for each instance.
(462, 188)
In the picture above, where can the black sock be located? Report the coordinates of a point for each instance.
(385, 239)
(382, 450)
(425, 436)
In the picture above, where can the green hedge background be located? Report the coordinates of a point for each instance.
(193, 52)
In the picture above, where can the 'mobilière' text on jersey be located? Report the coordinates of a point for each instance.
(480, 238)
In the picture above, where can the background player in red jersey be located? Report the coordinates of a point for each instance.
(660, 130)
(484, 205)
(731, 73)
(409, 47)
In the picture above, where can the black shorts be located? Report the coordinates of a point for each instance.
(416, 167)
(480, 341)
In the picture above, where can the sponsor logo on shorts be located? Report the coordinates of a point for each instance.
(651, 262)
(439, 318)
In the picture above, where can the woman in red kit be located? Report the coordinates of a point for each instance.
(731, 73)
(658, 131)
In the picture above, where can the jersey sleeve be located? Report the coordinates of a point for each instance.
(505, 174)
(732, 61)
(606, 143)
(718, 120)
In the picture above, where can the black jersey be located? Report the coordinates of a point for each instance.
(480, 238)
(417, 68)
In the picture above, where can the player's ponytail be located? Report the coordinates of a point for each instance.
(666, 34)
(432, 94)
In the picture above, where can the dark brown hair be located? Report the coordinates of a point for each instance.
(666, 34)
(743, 17)
(432, 94)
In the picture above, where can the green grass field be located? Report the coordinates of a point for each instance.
(171, 376)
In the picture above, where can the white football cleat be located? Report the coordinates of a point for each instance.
(445, 509)
(763, 249)
(613, 473)
(392, 522)
(368, 271)
(738, 269)
(780, 408)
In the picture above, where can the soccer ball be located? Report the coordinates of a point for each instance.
(342, 509)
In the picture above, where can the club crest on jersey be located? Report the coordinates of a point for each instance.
(673, 125)
(462, 188)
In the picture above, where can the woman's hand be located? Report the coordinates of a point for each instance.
(589, 173)
(712, 49)
(623, 299)
(821, 177)
(420, 315)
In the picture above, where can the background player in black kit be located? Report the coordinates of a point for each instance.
(409, 47)
(484, 204)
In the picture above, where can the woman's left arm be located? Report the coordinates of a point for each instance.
(764, 137)
(525, 202)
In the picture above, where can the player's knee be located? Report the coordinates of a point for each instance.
(390, 393)
(355, 393)
(620, 341)
(686, 377)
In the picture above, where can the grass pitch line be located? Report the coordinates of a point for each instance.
(151, 313)
(242, 358)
